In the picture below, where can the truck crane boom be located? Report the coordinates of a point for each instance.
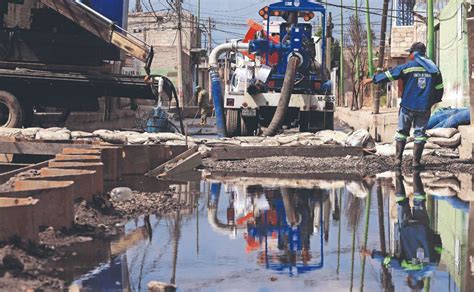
(104, 28)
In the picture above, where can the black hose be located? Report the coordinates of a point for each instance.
(285, 97)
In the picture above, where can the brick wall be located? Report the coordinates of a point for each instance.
(402, 38)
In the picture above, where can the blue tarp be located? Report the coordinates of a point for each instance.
(450, 118)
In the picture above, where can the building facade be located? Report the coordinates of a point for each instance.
(160, 30)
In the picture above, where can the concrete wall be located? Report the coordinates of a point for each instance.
(162, 34)
(453, 57)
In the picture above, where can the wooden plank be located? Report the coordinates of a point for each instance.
(6, 176)
(37, 148)
(160, 169)
(6, 167)
(188, 164)
(323, 151)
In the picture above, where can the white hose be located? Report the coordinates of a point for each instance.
(227, 47)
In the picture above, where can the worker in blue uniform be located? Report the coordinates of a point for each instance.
(419, 246)
(422, 88)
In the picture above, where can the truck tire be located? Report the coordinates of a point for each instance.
(248, 126)
(11, 112)
(232, 120)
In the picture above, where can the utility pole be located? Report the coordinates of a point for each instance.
(430, 18)
(209, 36)
(329, 43)
(383, 33)
(370, 56)
(180, 55)
(357, 60)
(341, 60)
(138, 6)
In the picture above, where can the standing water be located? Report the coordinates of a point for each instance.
(389, 233)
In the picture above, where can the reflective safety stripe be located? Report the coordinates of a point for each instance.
(411, 267)
(419, 197)
(387, 260)
(400, 199)
(439, 86)
(389, 76)
(438, 249)
(421, 138)
(414, 69)
(400, 136)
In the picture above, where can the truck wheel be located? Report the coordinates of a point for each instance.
(248, 126)
(232, 120)
(11, 113)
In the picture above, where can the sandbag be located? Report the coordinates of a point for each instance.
(360, 138)
(166, 136)
(442, 132)
(428, 145)
(10, 132)
(30, 133)
(53, 134)
(385, 149)
(137, 139)
(114, 138)
(332, 137)
(250, 139)
(82, 135)
(452, 142)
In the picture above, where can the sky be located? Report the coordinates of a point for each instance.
(230, 15)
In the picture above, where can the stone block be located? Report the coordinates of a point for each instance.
(467, 140)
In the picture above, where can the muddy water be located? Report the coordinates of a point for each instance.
(275, 234)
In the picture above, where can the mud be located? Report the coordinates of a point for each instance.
(368, 165)
(104, 218)
(27, 269)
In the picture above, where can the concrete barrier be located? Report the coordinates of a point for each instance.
(98, 167)
(55, 201)
(17, 219)
(84, 180)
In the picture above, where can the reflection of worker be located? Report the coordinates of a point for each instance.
(203, 103)
(423, 87)
(420, 247)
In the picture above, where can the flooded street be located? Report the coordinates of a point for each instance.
(277, 234)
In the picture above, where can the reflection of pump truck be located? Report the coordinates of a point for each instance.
(279, 223)
(280, 81)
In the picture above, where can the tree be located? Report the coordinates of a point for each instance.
(356, 40)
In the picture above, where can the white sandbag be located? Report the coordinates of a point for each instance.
(167, 136)
(113, 138)
(332, 137)
(101, 132)
(30, 133)
(82, 135)
(426, 152)
(176, 143)
(441, 192)
(442, 132)
(452, 142)
(250, 139)
(10, 132)
(269, 141)
(311, 142)
(286, 139)
(452, 183)
(428, 145)
(358, 189)
(53, 135)
(385, 149)
(360, 138)
(137, 139)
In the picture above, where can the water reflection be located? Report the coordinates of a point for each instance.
(388, 232)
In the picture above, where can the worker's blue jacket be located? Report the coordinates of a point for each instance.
(422, 80)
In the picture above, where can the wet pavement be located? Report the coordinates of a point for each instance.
(267, 234)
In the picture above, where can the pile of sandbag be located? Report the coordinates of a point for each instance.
(441, 142)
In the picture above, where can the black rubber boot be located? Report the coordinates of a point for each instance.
(400, 147)
(417, 153)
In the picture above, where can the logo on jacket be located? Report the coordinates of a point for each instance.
(422, 83)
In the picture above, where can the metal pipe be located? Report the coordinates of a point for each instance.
(223, 48)
(216, 81)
